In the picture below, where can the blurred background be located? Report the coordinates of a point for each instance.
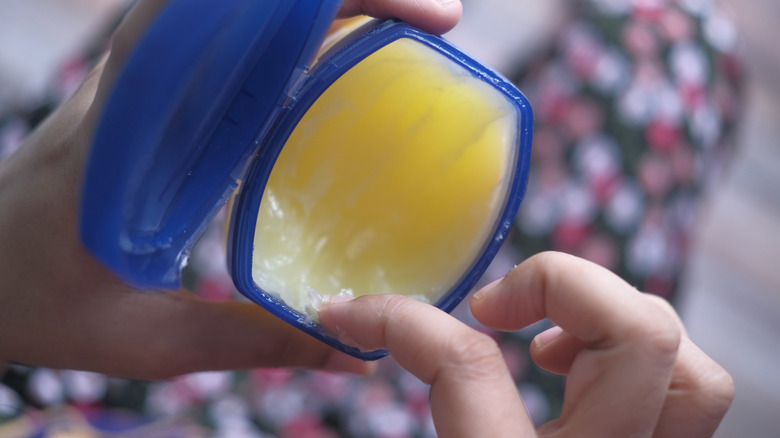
(728, 292)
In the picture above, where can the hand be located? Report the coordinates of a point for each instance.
(631, 369)
(60, 308)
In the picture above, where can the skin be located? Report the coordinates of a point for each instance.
(631, 370)
(60, 308)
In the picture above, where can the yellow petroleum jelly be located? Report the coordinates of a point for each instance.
(391, 182)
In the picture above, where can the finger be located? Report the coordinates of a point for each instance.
(159, 335)
(434, 16)
(700, 393)
(618, 382)
(555, 350)
(472, 392)
(155, 336)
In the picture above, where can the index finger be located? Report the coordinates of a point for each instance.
(618, 382)
(472, 392)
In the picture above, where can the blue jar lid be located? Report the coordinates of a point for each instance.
(193, 103)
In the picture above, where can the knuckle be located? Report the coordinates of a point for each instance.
(476, 353)
(660, 302)
(716, 392)
(664, 339)
(666, 307)
(659, 332)
(393, 305)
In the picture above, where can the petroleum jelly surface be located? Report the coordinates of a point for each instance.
(391, 182)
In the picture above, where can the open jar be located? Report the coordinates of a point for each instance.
(386, 161)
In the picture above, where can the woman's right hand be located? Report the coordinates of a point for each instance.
(631, 370)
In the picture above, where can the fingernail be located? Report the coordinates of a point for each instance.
(322, 301)
(336, 299)
(482, 293)
(546, 337)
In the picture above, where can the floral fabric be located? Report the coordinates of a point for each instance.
(635, 105)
